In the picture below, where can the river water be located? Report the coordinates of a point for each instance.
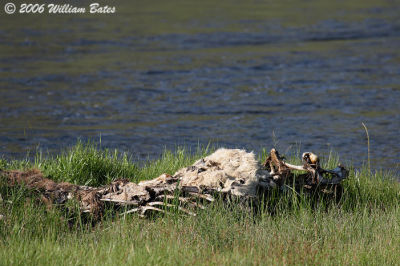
(246, 74)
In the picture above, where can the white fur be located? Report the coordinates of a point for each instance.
(228, 170)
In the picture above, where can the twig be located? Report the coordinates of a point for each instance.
(369, 161)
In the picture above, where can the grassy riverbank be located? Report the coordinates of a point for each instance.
(363, 228)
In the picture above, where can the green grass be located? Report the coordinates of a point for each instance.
(88, 164)
(363, 228)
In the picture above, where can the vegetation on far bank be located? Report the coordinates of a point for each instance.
(362, 228)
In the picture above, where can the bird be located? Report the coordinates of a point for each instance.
(311, 159)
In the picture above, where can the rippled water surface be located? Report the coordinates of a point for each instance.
(242, 74)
